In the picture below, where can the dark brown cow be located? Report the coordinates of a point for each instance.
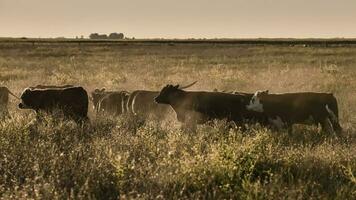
(71, 101)
(4, 101)
(114, 103)
(198, 107)
(287, 109)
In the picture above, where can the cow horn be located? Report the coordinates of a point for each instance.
(187, 86)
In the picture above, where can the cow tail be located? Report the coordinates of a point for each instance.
(333, 112)
(332, 108)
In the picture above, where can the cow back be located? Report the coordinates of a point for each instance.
(114, 103)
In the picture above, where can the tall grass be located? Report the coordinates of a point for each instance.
(129, 158)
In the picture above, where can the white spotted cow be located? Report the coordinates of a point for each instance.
(284, 110)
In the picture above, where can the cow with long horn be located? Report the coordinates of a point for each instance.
(198, 107)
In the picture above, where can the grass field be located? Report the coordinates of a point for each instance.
(124, 157)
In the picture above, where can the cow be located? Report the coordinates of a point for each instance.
(198, 107)
(71, 101)
(142, 103)
(114, 103)
(284, 110)
(4, 101)
(97, 95)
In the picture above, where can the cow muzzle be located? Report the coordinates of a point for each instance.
(159, 100)
(23, 106)
(156, 100)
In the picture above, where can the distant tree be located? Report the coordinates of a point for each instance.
(98, 36)
(94, 36)
(116, 36)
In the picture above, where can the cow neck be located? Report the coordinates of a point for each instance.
(178, 100)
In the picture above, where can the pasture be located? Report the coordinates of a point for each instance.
(130, 158)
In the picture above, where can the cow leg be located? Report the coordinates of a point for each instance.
(290, 129)
(327, 126)
(337, 127)
(190, 122)
(334, 121)
(189, 127)
(82, 120)
(241, 125)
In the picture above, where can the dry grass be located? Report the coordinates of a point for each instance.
(132, 159)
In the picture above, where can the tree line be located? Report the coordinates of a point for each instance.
(104, 36)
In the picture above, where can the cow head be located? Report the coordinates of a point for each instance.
(255, 102)
(27, 100)
(168, 93)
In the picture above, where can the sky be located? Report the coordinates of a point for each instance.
(179, 18)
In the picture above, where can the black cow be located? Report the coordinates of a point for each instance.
(71, 101)
(198, 107)
(287, 109)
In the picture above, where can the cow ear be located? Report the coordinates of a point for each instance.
(266, 91)
(176, 87)
(102, 89)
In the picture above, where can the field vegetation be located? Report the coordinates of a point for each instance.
(129, 158)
